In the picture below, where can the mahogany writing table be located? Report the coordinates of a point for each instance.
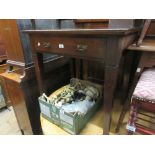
(105, 45)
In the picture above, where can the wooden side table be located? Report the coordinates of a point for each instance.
(104, 45)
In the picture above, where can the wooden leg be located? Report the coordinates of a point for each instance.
(109, 88)
(122, 115)
(127, 103)
(72, 68)
(132, 118)
(127, 68)
(85, 69)
(38, 63)
(78, 68)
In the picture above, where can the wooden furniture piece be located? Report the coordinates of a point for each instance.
(91, 23)
(19, 82)
(3, 56)
(12, 42)
(143, 33)
(137, 44)
(105, 45)
(95, 71)
(143, 98)
(23, 92)
(12, 79)
(147, 59)
(151, 29)
(3, 99)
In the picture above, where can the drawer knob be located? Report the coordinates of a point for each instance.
(81, 48)
(46, 44)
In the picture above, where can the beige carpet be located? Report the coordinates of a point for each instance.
(8, 122)
(93, 127)
(9, 125)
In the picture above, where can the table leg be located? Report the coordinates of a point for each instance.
(85, 69)
(111, 74)
(127, 69)
(72, 68)
(38, 63)
(78, 68)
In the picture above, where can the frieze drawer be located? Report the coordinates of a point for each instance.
(79, 47)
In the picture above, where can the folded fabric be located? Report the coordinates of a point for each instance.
(80, 107)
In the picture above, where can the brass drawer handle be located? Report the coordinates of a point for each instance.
(81, 48)
(46, 44)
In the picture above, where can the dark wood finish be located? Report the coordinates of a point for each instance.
(147, 59)
(151, 29)
(78, 66)
(114, 41)
(88, 32)
(143, 33)
(91, 23)
(39, 70)
(92, 71)
(90, 20)
(95, 71)
(72, 46)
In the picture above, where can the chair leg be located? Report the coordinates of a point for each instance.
(132, 118)
(125, 108)
(127, 103)
(122, 116)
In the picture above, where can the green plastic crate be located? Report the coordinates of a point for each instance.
(72, 124)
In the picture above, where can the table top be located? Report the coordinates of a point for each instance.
(106, 31)
(148, 44)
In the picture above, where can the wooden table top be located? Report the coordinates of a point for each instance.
(147, 45)
(106, 31)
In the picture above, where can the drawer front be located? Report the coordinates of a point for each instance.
(77, 47)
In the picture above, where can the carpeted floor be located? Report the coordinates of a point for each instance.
(8, 122)
(9, 125)
(93, 127)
